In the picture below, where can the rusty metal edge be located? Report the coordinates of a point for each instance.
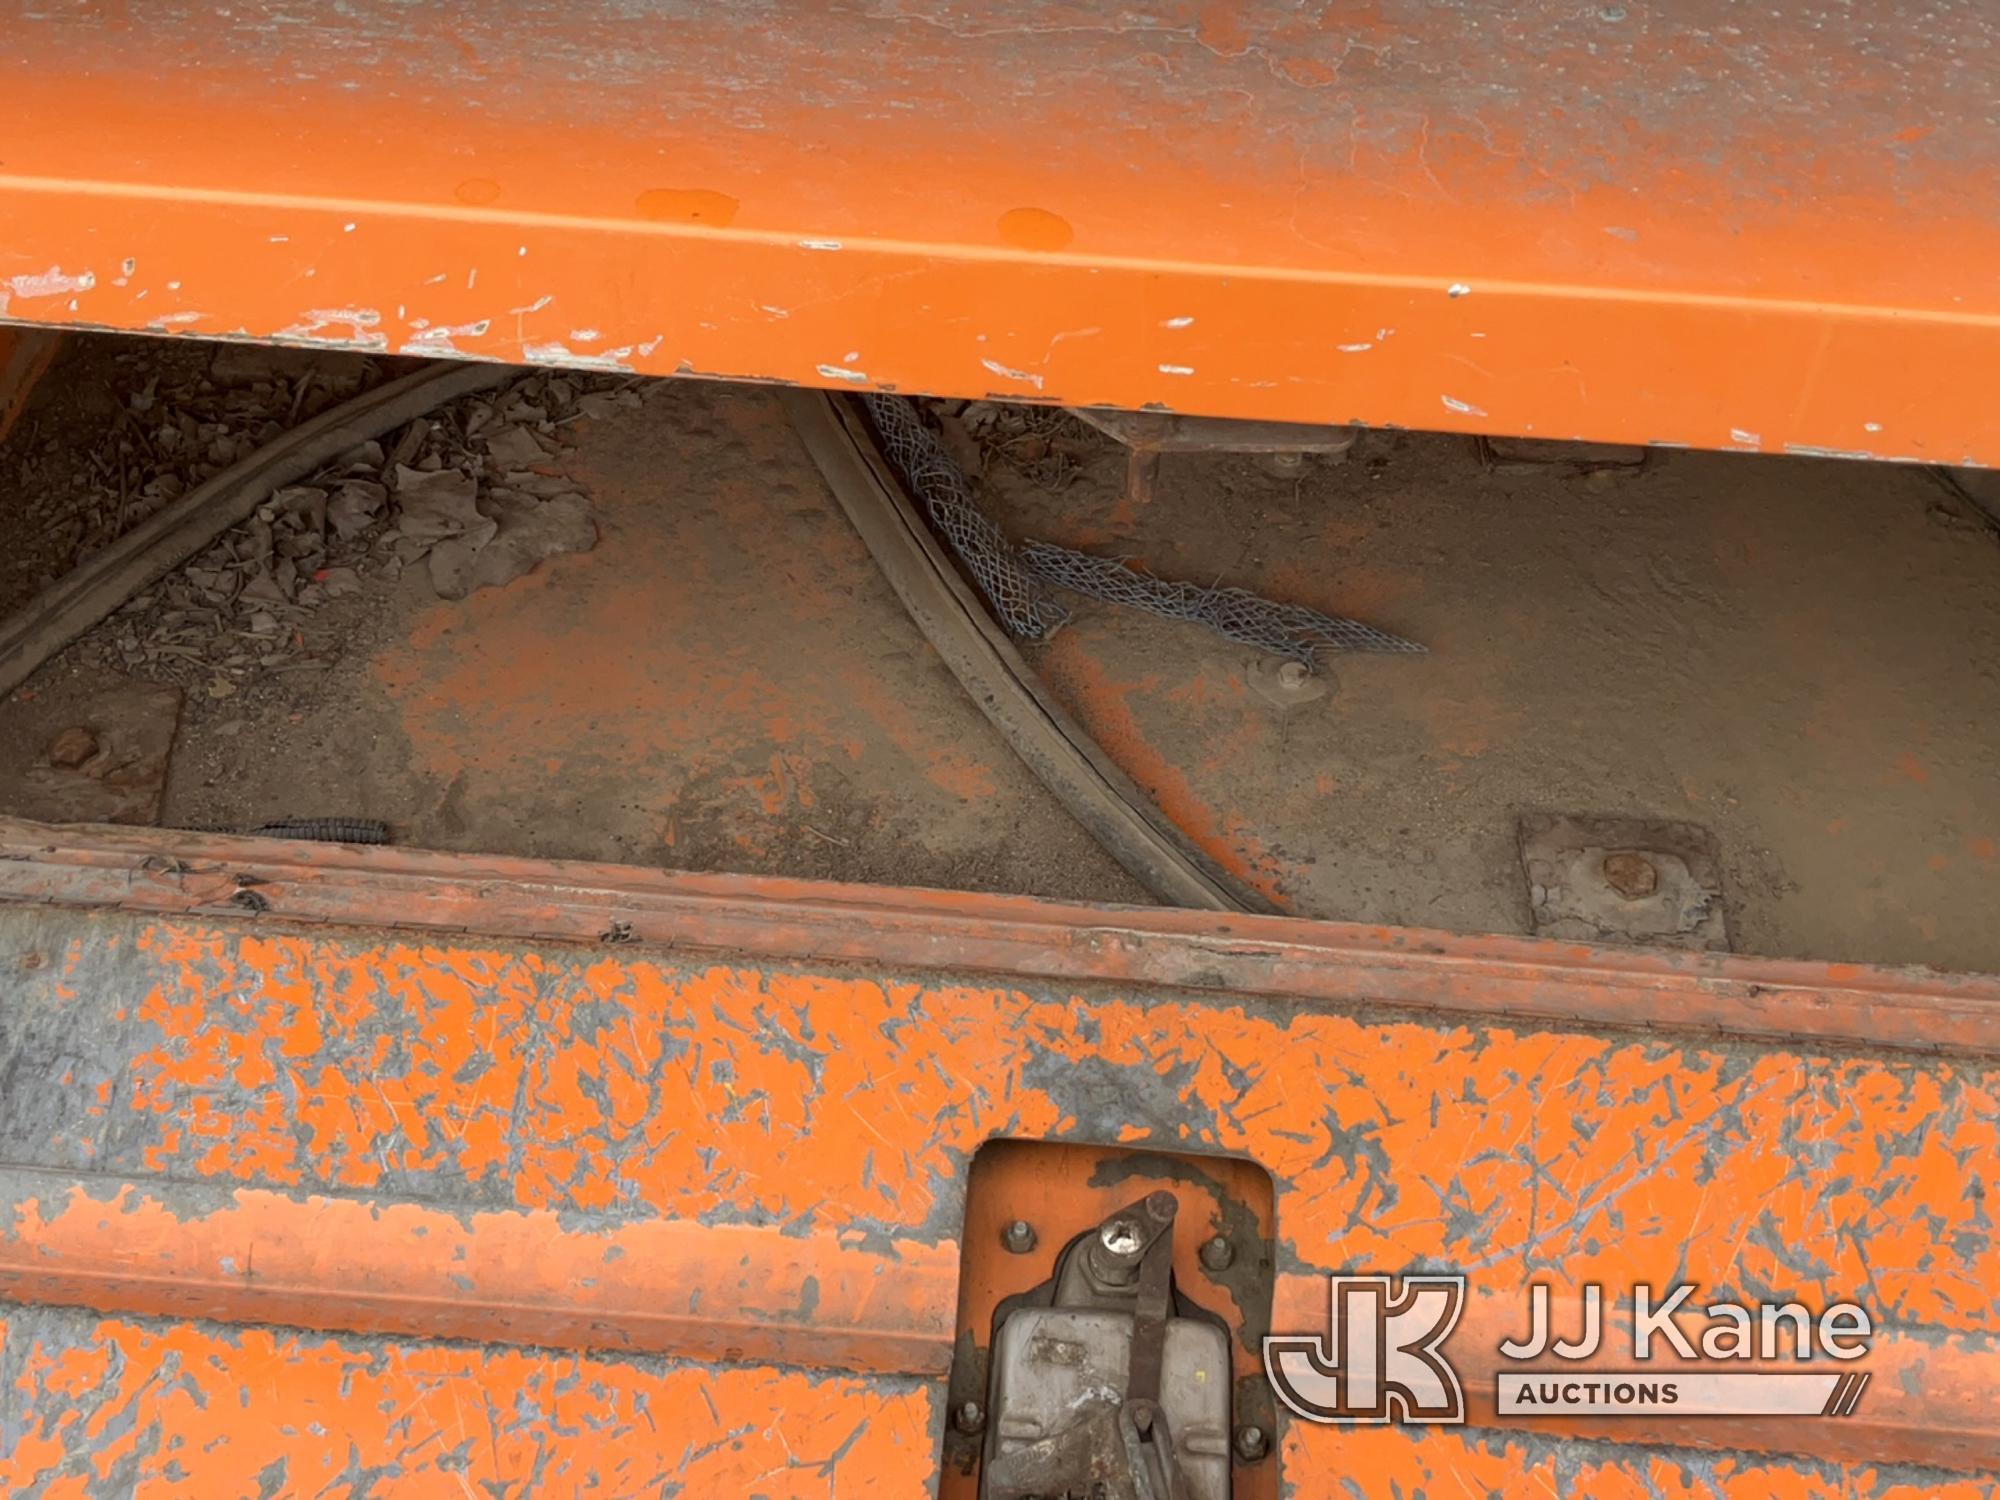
(25, 356)
(1233, 956)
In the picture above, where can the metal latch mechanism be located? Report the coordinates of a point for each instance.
(1106, 1381)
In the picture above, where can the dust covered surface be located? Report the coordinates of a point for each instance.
(575, 618)
(1801, 656)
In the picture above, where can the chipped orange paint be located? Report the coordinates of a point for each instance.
(699, 1090)
(471, 1028)
(779, 1146)
(1412, 1461)
(653, 1285)
(1790, 261)
(117, 1407)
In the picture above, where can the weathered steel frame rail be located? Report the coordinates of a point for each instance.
(1645, 222)
(710, 1135)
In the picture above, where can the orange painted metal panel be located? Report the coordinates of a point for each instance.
(123, 1407)
(761, 1154)
(1652, 221)
(1233, 954)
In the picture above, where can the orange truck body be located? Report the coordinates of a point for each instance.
(344, 1172)
(423, 1170)
(1651, 221)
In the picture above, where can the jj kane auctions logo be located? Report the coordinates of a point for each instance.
(1383, 1356)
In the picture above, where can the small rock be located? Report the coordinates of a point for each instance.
(1631, 875)
(409, 443)
(339, 582)
(514, 448)
(72, 747)
(434, 505)
(354, 507)
(528, 532)
(266, 588)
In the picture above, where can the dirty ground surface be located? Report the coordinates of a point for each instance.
(119, 427)
(720, 681)
(1801, 657)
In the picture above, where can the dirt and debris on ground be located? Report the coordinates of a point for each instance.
(578, 618)
(1044, 444)
(1799, 657)
(468, 492)
(1802, 656)
(118, 428)
(97, 753)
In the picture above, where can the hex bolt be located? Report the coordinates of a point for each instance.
(969, 1417)
(1019, 1237)
(1251, 1443)
(1217, 1254)
(1142, 1416)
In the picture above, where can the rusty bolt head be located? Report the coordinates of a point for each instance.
(968, 1417)
(1162, 1206)
(1251, 1442)
(1019, 1237)
(72, 747)
(1142, 1416)
(1217, 1254)
(1631, 875)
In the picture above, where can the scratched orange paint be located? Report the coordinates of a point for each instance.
(1408, 1461)
(165, 1405)
(1574, 1155)
(343, 1417)
(1796, 255)
(429, 1077)
(1781, 257)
